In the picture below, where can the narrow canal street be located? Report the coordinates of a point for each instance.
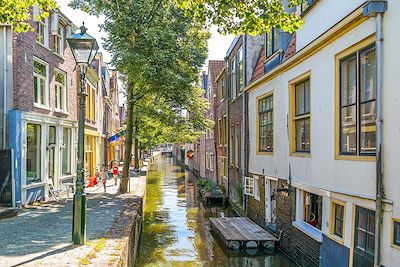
(176, 230)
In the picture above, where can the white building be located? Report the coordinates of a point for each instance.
(312, 136)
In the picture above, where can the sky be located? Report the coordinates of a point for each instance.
(217, 45)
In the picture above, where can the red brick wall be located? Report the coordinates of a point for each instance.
(24, 49)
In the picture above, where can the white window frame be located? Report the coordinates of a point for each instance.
(256, 187)
(45, 24)
(211, 162)
(46, 88)
(63, 146)
(249, 186)
(63, 89)
(59, 39)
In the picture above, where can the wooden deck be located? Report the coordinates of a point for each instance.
(238, 232)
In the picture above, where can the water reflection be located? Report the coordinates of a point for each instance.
(176, 230)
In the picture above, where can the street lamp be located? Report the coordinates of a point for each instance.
(84, 48)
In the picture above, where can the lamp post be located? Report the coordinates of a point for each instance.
(84, 48)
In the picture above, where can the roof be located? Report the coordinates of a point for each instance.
(291, 50)
(259, 68)
(232, 46)
(214, 68)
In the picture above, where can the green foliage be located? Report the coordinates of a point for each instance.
(238, 17)
(204, 185)
(17, 13)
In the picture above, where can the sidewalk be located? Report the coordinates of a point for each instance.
(41, 235)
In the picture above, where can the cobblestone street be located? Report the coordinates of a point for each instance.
(42, 234)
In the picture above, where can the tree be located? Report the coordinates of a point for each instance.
(239, 17)
(159, 51)
(17, 13)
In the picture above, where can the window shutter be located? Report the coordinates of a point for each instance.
(54, 22)
(36, 12)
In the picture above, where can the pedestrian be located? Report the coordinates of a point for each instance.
(115, 172)
(104, 176)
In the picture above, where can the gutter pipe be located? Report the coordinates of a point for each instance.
(376, 9)
(4, 85)
(244, 118)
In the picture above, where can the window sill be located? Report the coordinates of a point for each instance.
(265, 153)
(36, 105)
(309, 230)
(43, 46)
(60, 56)
(300, 154)
(33, 185)
(61, 111)
(336, 238)
(356, 158)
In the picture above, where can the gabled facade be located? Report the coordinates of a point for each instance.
(313, 138)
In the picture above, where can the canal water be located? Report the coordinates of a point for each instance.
(176, 230)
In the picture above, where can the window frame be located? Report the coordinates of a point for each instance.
(249, 186)
(233, 77)
(274, 43)
(239, 67)
(393, 240)
(365, 43)
(39, 154)
(45, 24)
(258, 134)
(257, 193)
(63, 88)
(237, 144)
(46, 87)
(293, 118)
(332, 223)
(59, 40)
(70, 149)
(367, 233)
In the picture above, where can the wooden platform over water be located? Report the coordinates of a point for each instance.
(238, 232)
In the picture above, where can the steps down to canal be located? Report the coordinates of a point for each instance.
(238, 232)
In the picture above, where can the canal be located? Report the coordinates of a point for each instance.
(176, 230)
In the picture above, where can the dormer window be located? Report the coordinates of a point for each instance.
(271, 42)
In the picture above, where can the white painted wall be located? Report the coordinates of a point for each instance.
(353, 178)
(323, 16)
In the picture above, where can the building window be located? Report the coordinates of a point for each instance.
(90, 103)
(249, 186)
(207, 161)
(256, 187)
(364, 239)
(240, 69)
(42, 32)
(232, 142)
(59, 41)
(225, 167)
(237, 144)
(305, 4)
(302, 116)
(40, 82)
(312, 209)
(211, 162)
(222, 81)
(60, 90)
(33, 153)
(357, 103)
(233, 79)
(338, 219)
(66, 151)
(271, 42)
(224, 130)
(396, 233)
(265, 120)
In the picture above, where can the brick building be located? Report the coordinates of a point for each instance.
(214, 68)
(42, 119)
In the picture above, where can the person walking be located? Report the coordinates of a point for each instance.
(104, 177)
(115, 172)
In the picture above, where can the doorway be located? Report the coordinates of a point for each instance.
(52, 151)
(5, 179)
(270, 201)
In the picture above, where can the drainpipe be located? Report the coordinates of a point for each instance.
(244, 117)
(4, 85)
(376, 9)
(228, 134)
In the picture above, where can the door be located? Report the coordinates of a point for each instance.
(5, 179)
(52, 150)
(364, 238)
(270, 201)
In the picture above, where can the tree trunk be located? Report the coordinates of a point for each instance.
(123, 187)
(136, 145)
